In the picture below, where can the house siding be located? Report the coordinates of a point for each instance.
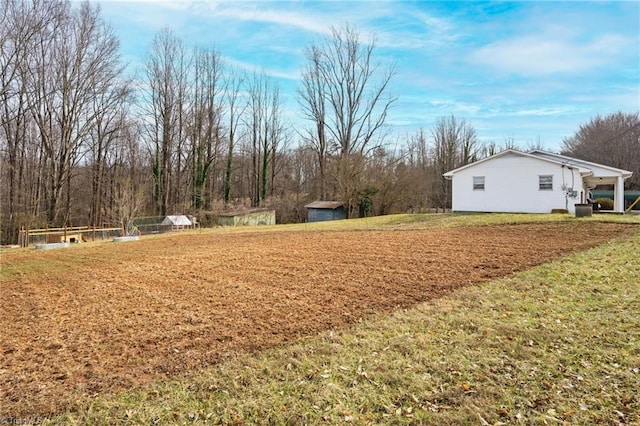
(511, 185)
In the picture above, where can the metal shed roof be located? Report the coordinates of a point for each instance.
(324, 205)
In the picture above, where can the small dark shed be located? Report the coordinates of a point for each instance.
(319, 211)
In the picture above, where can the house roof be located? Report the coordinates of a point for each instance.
(324, 205)
(582, 163)
(584, 167)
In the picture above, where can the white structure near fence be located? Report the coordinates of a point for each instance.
(531, 182)
(177, 222)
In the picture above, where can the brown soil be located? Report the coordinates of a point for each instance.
(103, 318)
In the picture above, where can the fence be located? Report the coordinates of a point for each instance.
(69, 234)
(160, 224)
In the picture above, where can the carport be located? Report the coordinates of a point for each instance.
(614, 177)
(594, 174)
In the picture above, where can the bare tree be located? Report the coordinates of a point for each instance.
(205, 127)
(356, 90)
(297, 170)
(265, 131)
(235, 109)
(489, 148)
(128, 174)
(510, 143)
(166, 75)
(75, 58)
(20, 25)
(111, 122)
(345, 91)
(454, 145)
(312, 101)
(416, 182)
(536, 145)
(60, 76)
(613, 140)
(126, 203)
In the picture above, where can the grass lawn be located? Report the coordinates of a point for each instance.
(559, 343)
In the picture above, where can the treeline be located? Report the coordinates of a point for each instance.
(82, 143)
(613, 140)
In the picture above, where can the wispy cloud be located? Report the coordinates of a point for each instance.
(256, 12)
(250, 67)
(521, 69)
(545, 54)
(455, 107)
(552, 111)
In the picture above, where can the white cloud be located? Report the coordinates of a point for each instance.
(548, 54)
(533, 71)
(549, 111)
(250, 12)
(407, 28)
(455, 107)
(269, 71)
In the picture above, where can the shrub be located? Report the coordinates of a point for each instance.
(605, 203)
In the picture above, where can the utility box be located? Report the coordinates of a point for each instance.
(584, 210)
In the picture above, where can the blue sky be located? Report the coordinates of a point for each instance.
(526, 71)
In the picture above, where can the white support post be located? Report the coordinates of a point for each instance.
(618, 196)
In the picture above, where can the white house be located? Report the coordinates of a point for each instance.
(531, 182)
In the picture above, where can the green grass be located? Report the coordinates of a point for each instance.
(559, 343)
(10, 269)
(417, 221)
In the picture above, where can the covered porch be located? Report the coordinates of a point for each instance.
(593, 175)
(614, 180)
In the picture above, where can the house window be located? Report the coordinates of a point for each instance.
(478, 183)
(545, 182)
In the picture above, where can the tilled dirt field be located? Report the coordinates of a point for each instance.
(101, 318)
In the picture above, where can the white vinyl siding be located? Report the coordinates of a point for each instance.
(511, 185)
(545, 182)
(478, 183)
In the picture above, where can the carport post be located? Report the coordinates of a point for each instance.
(618, 195)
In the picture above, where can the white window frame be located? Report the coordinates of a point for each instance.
(545, 182)
(478, 186)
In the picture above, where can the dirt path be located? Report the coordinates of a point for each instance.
(109, 317)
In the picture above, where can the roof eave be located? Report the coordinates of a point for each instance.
(450, 173)
(588, 163)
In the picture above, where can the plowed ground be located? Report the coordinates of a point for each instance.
(102, 318)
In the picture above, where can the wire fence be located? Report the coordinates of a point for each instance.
(68, 234)
(160, 224)
(78, 234)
